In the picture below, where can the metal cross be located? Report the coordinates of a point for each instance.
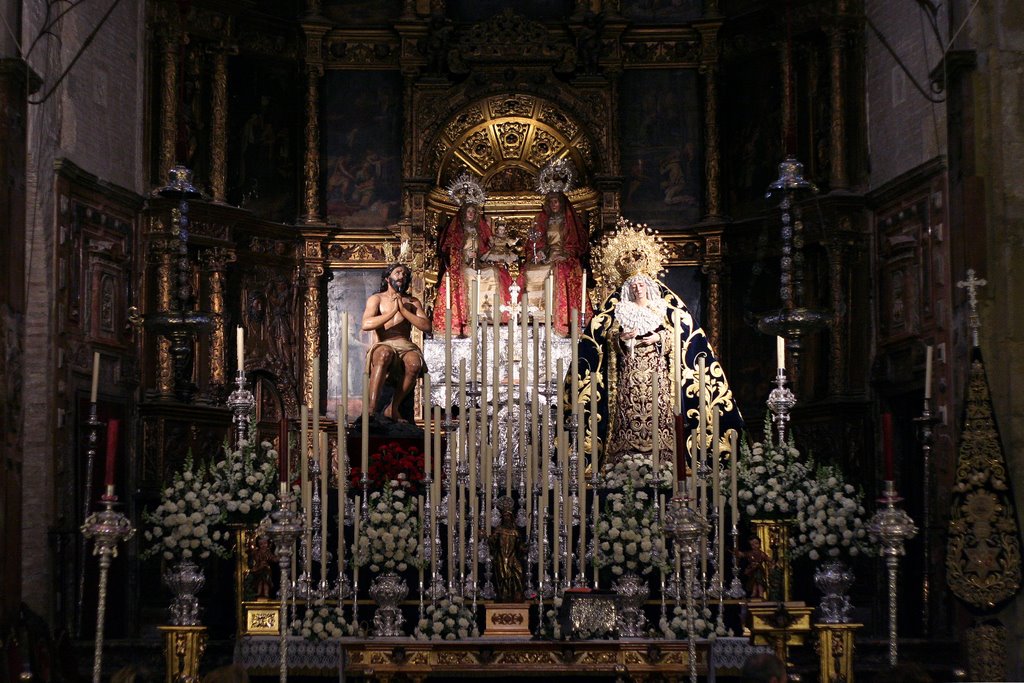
(972, 284)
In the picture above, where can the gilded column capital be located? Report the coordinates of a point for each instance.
(216, 258)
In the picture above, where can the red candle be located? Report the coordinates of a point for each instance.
(112, 427)
(887, 444)
(680, 447)
(282, 450)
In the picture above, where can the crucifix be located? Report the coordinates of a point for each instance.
(972, 284)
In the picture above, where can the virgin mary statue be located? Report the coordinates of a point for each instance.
(644, 330)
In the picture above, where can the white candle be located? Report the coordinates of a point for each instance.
(342, 484)
(928, 372)
(780, 353)
(344, 367)
(655, 442)
(419, 508)
(303, 461)
(583, 295)
(325, 473)
(677, 365)
(356, 526)
(733, 474)
(316, 409)
(240, 347)
(364, 441)
(427, 466)
(95, 376)
(448, 291)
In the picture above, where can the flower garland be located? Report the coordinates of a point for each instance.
(704, 625)
(628, 537)
(321, 621)
(245, 480)
(832, 522)
(183, 524)
(449, 619)
(770, 479)
(390, 538)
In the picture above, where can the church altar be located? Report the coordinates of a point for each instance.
(386, 658)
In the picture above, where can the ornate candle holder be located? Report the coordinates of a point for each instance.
(688, 527)
(90, 463)
(108, 528)
(891, 528)
(780, 401)
(736, 591)
(284, 525)
(241, 402)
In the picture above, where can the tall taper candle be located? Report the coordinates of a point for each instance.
(677, 371)
(342, 487)
(95, 376)
(325, 474)
(356, 526)
(716, 485)
(449, 371)
(316, 412)
(733, 474)
(928, 372)
(427, 464)
(474, 294)
(304, 461)
(655, 431)
(583, 297)
(435, 522)
(344, 365)
(364, 440)
(113, 425)
(510, 383)
(419, 509)
(702, 428)
(780, 353)
(448, 291)
(240, 347)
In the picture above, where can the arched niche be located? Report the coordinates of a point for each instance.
(505, 140)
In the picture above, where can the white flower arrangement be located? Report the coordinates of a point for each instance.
(551, 626)
(635, 468)
(704, 625)
(183, 525)
(832, 523)
(628, 537)
(771, 479)
(449, 619)
(390, 536)
(322, 621)
(245, 480)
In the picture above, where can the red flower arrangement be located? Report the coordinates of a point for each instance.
(393, 462)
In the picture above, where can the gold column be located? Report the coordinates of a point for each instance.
(714, 330)
(313, 270)
(311, 203)
(184, 647)
(169, 99)
(218, 124)
(835, 652)
(837, 176)
(214, 263)
(161, 252)
(711, 161)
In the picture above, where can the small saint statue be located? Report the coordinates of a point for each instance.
(261, 562)
(507, 553)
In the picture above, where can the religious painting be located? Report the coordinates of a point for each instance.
(362, 167)
(347, 292)
(661, 11)
(472, 11)
(365, 12)
(662, 155)
(263, 149)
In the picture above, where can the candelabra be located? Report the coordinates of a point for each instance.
(688, 527)
(90, 463)
(926, 421)
(108, 528)
(241, 402)
(891, 527)
(284, 525)
(780, 401)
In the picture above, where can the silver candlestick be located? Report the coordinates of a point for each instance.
(688, 527)
(241, 402)
(780, 401)
(284, 525)
(891, 527)
(736, 591)
(108, 528)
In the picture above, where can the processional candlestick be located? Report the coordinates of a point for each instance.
(891, 527)
(688, 527)
(108, 528)
(284, 526)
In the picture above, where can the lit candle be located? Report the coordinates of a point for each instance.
(95, 376)
(928, 372)
(887, 445)
(780, 353)
(240, 347)
(112, 432)
(364, 441)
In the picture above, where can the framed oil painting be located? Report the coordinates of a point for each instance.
(362, 131)
(662, 154)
